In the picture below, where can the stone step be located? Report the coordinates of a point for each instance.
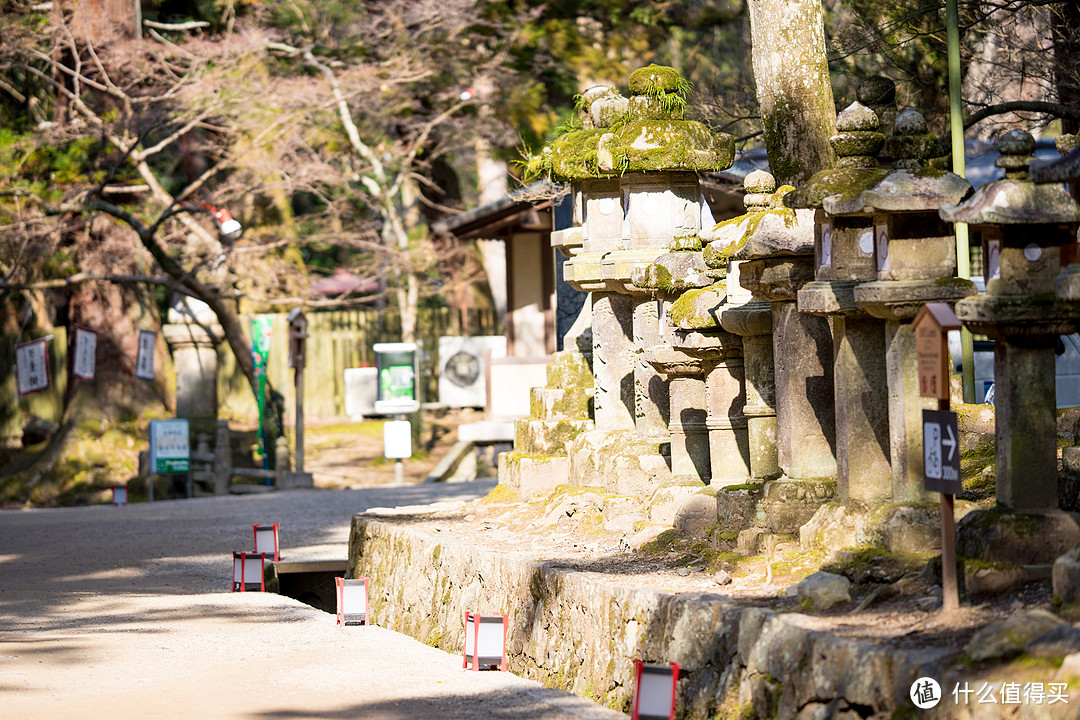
(568, 369)
(532, 474)
(560, 403)
(547, 437)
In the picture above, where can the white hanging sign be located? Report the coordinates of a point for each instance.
(881, 234)
(85, 352)
(144, 361)
(826, 244)
(32, 366)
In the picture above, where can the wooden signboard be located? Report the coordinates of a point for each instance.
(931, 327)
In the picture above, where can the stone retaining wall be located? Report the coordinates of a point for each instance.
(581, 631)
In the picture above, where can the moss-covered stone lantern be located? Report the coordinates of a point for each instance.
(787, 363)
(634, 163)
(1023, 227)
(915, 260)
(844, 254)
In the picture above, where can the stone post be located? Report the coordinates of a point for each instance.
(915, 258)
(1024, 225)
(192, 336)
(222, 458)
(844, 246)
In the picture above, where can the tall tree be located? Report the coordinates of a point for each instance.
(794, 91)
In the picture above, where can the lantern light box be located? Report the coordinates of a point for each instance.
(485, 641)
(654, 691)
(248, 570)
(119, 495)
(266, 541)
(352, 601)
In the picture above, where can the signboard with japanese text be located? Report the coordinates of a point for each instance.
(32, 366)
(85, 353)
(931, 327)
(170, 450)
(144, 361)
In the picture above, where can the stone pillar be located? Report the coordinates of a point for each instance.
(1026, 423)
(725, 398)
(673, 274)
(195, 359)
(1025, 225)
(844, 249)
(651, 401)
(760, 409)
(613, 366)
(689, 431)
(862, 410)
(725, 393)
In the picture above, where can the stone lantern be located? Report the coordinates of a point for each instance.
(844, 255)
(915, 260)
(695, 320)
(1023, 226)
(635, 166)
(674, 273)
(787, 361)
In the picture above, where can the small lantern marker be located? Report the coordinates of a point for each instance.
(248, 570)
(119, 495)
(352, 601)
(654, 691)
(485, 641)
(266, 541)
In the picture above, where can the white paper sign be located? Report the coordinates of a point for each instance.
(144, 362)
(826, 244)
(993, 259)
(85, 359)
(32, 366)
(882, 245)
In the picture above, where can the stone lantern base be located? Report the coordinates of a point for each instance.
(1028, 541)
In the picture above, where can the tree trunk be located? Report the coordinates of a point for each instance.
(1066, 25)
(794, 92)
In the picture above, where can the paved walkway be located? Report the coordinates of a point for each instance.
(113, 613)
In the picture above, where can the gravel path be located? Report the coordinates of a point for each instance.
(126, 613)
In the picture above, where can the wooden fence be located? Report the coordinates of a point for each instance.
(338, 340)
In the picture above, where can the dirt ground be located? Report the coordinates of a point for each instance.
(350, 455)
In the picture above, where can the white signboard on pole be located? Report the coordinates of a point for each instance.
(32, 366)
(144, 361)
(85, 360)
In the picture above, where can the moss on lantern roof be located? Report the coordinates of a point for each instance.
(699, 309)
(655, 141)
(847, 183)
(1015, 200)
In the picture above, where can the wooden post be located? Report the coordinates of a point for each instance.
(931, 327)
(950, 592)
